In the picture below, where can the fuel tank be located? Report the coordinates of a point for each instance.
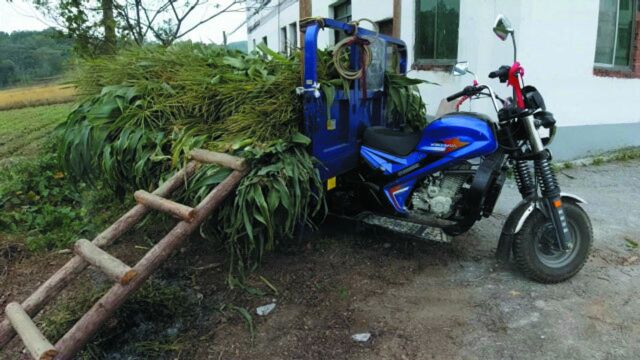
(459, 135)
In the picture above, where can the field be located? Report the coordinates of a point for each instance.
(23, 131)
(36, 95)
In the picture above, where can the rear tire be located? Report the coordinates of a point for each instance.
(538, 257)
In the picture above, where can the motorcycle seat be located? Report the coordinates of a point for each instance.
(395, 142)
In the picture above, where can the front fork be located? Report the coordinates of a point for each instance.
(552, 202)
(549, 188)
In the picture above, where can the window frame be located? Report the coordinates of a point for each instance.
(386, 21)
(334, 6)
(613, 67)
(284, 46)
(293, 37)
(422, 62)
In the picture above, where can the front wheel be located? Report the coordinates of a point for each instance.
(536, 251)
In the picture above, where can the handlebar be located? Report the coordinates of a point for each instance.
(502, 73)
(473, 91)
(467, 91)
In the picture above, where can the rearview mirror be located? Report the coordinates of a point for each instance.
(503, 27)
(461, 68)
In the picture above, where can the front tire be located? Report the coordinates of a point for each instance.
(536, 252)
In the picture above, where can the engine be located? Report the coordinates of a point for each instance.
(439, 193)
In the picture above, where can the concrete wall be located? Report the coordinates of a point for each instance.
(556, 48)
(556, 45)
(278, 14)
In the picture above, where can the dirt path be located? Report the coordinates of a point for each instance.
(431, 301)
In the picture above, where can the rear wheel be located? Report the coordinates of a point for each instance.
(536, 251)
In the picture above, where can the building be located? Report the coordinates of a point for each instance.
(583, 55)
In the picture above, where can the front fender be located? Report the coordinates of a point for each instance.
(516, 220)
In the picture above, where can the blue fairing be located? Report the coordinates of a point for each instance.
(444, 143)
(390, 164)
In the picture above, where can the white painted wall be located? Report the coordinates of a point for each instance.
(556, 45)
(271, 27)
(374, 10)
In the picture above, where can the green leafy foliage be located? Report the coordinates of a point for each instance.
(248, 319)
(404, 103)
(38, 199)
(147, 108)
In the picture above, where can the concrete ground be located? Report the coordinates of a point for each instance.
(593, 316)
(488, 312)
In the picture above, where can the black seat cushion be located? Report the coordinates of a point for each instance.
(391, 141)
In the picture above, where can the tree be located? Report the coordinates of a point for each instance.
(109, 26)
(32, 55)
(166, 20)
(7, 72)
(96, 25)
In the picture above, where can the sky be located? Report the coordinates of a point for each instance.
(21, 15)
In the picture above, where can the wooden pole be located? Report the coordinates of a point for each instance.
(397, 18)
(304, 11)
(39, 347)
(226, 160)
(55, 284)
(87, 326)
(111, 266)
(180, 211)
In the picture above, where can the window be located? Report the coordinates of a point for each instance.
(283, 40)
(615, 33)
(293, 35)
(385, 27)
(342, 12)
(437, 31)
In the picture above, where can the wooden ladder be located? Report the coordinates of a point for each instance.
(127, 279)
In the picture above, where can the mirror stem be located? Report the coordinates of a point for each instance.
(515, 48)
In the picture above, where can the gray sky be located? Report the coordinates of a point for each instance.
(20, 15)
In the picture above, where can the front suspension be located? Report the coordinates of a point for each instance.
(551, 200)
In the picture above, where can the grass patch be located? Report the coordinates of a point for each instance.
(50, 210)
(626, 154)
(48, 94)
(148, 325)
(24, 131)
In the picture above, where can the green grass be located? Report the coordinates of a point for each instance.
(24, 131)
(627, 154)
(39, 202)
(47, 208)
(620, 155)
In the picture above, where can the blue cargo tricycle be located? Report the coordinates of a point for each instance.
(436, 183)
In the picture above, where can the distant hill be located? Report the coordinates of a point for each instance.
(30, 56)
(238, 45)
